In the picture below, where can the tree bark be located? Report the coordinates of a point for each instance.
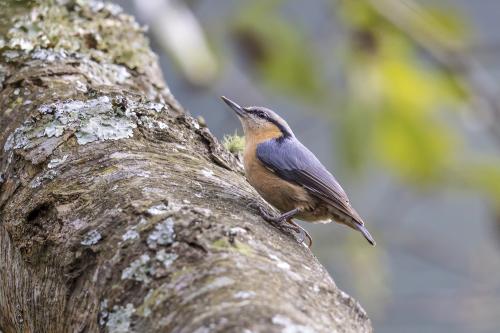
(119, 212)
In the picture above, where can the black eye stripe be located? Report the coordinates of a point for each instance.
(261, 114)
(269, 116)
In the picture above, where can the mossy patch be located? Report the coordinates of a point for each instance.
(223, 244)
(234, 143)
(92, 28)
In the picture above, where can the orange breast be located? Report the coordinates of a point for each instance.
(280, 193)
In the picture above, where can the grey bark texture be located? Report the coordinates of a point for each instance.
(118, 211)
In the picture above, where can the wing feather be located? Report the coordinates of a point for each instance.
(292, 161)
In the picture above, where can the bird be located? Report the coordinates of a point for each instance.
(289, 176)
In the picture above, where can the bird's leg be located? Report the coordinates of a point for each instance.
(288, 218)
(280, 219)
(276, 220)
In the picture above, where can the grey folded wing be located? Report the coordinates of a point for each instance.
(292, 161)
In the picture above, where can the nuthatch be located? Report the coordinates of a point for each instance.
(288, 176)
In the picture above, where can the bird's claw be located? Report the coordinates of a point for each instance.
(280, 222)
(303, 235)
(299, 233)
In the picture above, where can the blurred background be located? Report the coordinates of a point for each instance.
(401, 100)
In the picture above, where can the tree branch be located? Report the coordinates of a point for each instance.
(119, 213)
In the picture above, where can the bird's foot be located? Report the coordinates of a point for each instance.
(281, 222)
(271, 218)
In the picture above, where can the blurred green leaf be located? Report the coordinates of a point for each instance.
(395, 101)
(446, 26)
(278, 49)
(394, 105)
(481, 173)
(357, 13)
(418, 150)
(354, 130)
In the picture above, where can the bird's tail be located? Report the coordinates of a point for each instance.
(361, 228)
(354, 221)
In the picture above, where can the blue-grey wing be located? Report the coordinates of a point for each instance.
(292, 161)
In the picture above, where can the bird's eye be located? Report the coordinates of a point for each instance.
(261, 114)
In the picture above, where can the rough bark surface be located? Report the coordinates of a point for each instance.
(119, 212)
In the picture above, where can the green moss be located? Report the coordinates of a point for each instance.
(109, 170)
(152, 299)
(243, 248)
(234, 143)
(223, 244)
(180, 273)
(101, 31)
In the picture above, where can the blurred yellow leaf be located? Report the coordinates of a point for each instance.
(394, 101)
(416, 149)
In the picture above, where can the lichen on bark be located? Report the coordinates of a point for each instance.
(118, 211)
(88, 27)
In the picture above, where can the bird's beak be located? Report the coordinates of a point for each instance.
(238, 109)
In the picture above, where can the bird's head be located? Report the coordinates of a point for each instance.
(260, 121)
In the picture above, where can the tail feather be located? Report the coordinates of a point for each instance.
(354, 221)
(361, 228)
